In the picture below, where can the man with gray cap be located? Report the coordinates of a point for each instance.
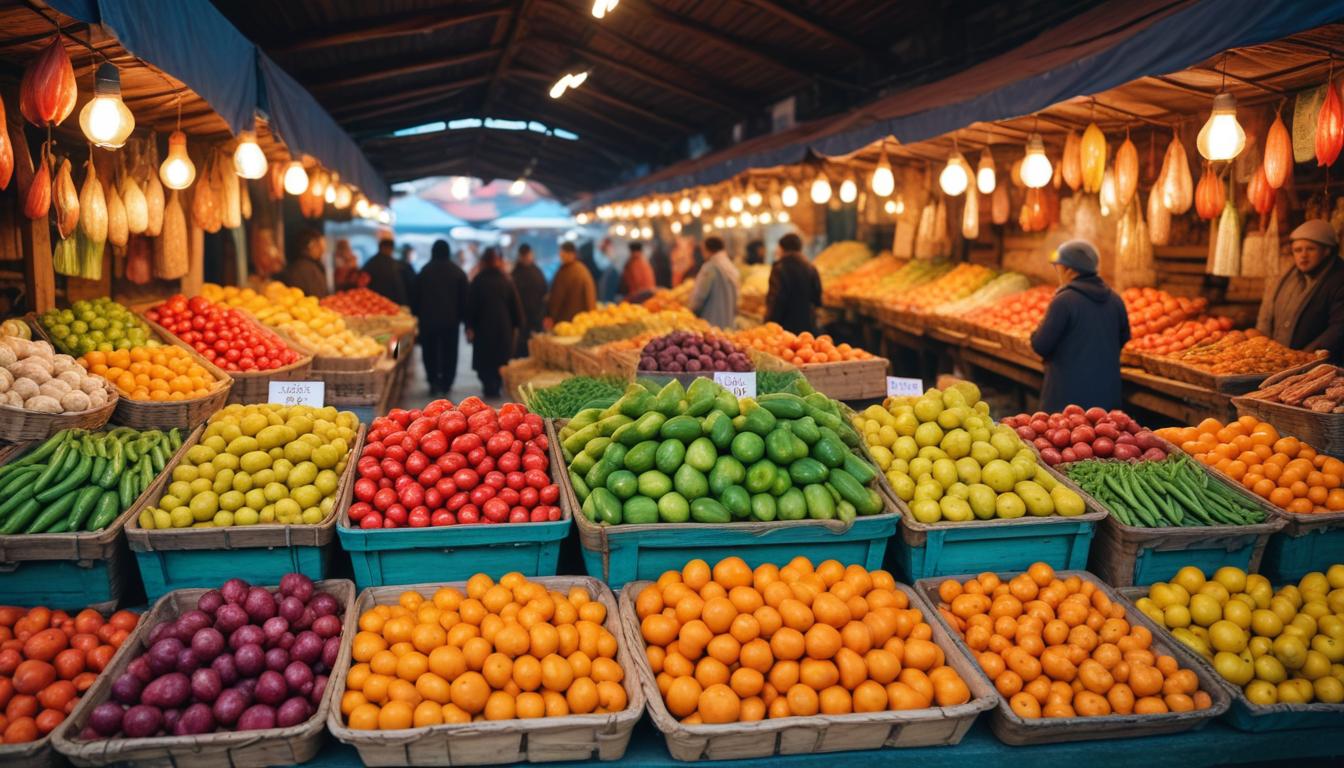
(1081, 335)
(1304, 308)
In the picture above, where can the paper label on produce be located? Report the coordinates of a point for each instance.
(899, 387)
(740, 384)
(298, 393)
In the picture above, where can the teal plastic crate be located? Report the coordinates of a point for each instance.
(451, 553)
(1124, 555)
(166, 570)
(624, 553)
(948, 549)
(67, 584)
(1307, 543)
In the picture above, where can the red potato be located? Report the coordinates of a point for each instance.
(1075, 434)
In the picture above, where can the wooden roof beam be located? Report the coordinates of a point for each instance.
(354, 110)
(403, 25)
(588, 89)
(695, 94)
(377, 74)
(811, 26)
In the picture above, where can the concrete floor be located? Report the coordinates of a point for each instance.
(415, 393)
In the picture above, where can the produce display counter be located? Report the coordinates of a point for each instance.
(1216, 744)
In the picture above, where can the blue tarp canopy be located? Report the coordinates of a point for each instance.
(415, 214)
(1111, 45)
(543, 214)
(193, 42)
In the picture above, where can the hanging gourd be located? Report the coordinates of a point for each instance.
(37, 197)
(1071, 166)
(1209, 194)
(66, 200)
(137, 210)
(999, 207)
(1227, 244)
(153, 191)
(1159, 218)
(47, 91)
(1126, 173)
(1092, 156)
(1259, 193)
(1177, 187)
(1329, 127)
(6, 150)
(93, 207)
(1278, 153)
(118, 230)
(970, 214)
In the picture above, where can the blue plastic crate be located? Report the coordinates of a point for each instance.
(1123, 555)
(451, 553)
(948, 549)
(1308, 543)
(67, 584)
(166, 570)
(623, 553)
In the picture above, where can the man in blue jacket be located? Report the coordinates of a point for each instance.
(1081, 335)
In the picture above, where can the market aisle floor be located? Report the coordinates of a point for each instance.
(415, 394)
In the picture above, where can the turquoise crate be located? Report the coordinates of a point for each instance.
(66, 584)
(166, 570)
(624, 553)
(924, 551)
(451, 553)
(1123, 555)
(1308, 543)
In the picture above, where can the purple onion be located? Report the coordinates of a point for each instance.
(271, 688)
(206, 685)
(327, 626)
(196, 719)
(188, 624)
(298, 675)
(171, 690)
(319, 688)
(331, 648)
(141, 669)
(207, 644)
(291, 608)
(259, 605)
(274, 628)
(187, 661)
(307, 647)
(248, 634)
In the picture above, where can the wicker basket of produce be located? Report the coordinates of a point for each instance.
(1309, 405)
(46, 392)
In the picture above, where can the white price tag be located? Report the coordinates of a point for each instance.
(298, 393)
(899, 387)
(741, 384)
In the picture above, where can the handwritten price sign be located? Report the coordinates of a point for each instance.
(899, 387)
(298, 393)
(740, 384)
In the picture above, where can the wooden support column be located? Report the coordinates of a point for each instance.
(191, 282)
(37, 272)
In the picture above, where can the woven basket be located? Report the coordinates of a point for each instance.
(371, 382)
(547, 739)
(228, 749)
(935, 726)
(1018, 731)
(1322, 431)
(18, 425)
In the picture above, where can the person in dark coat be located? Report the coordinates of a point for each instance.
(1081, 334)
(531, 284)
(1304, 307)
(408, 274)
(755, 252)
(385, 274)
(795, 288)
(662, 268)
(440, 293)
(494, 316)
(305, 270)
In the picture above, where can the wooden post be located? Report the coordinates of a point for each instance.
(191, 282)
(37, 271)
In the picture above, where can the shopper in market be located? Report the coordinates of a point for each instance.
(795, 288)
(440, 295)
(347, 273)
(1304, 308)
(1081, 334)
(714, 296)
(637, 282)
(494, 317)
(305, 270)
(531, 284)
(572, 290)
(661, 263)
(385, 273)
(755, 252)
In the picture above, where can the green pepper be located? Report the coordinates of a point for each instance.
(84, 505)
(105, 512)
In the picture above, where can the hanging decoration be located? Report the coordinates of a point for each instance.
(1278, 152)
(153, 190)
(970, 215)
(1092, 157)
(985, 179)
(1176, 184)
(118, 229)
(1329, 125)
(1260, 194)
(1072, 164)
(37, 200)
(105, 119)
(93, 206)
(47, 91)
(170, 249)
(65, 198)
(1159, 218)
(1227, 244)
(6, 150)
(1209, 196)
(1126, 173)
(999, 205)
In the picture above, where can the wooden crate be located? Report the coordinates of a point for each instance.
(547, 739)
(849, 379)
(228, 749)
(934, 726)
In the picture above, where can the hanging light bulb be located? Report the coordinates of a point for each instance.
(753, 197)
(695, 209)
(619, 229)
(707, 227)
(343, 196)
(581, 218)
(954, 179)
(637, 210)
(731, 221)
(1222, 137)
(789, 195)
(735, 202)
(603, 7)
(985, 179)
(667, 206)
(849, 189)
(249, 161)
(567, 82)
(900, 204)
(706, 202)
(883, 181)
(718, 222)
(646, 232)
(459, 187)
(783, 217)
(821, 189)
(105, 120)
(518, 187)
(330, 194)
(676, 227)
(748, 220)
(296, 179)
(177, 170)
(1036, 168)
(317, 184)
(766, 218)
(889, 207)
(684, 205)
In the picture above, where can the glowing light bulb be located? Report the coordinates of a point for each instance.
(748, 220)
(177, 170)
(518, 187)
(330, 194)
(1108, 199)
(567, 82)
(753, 197)
(343, 196)
(667, 206)
(1222, 137)
(695, 209)
(296, 179)
(985, 178)
(581, 218)
(676, 227)
(766, 218)
(783, 217)
(361, 208)
(718, 222)
(849, 189)
(646, 233)
(1036, 168)
(706, 202)
(735, 203)
(637, 210)
(821, 189)
(105, 120)
(883, 181)
(684, 206)
(460, 187)
(619, 229)
(249, 161)
(602, 7)
(900, 205)
(889, 207)
(731, 221)
(954, 179)
(789, 196)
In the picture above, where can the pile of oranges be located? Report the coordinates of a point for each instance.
(734, 645)
(1060, 648)
(1285, 471)
(498, 652)
(799, 349)
(161, 373)
(48, 659)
